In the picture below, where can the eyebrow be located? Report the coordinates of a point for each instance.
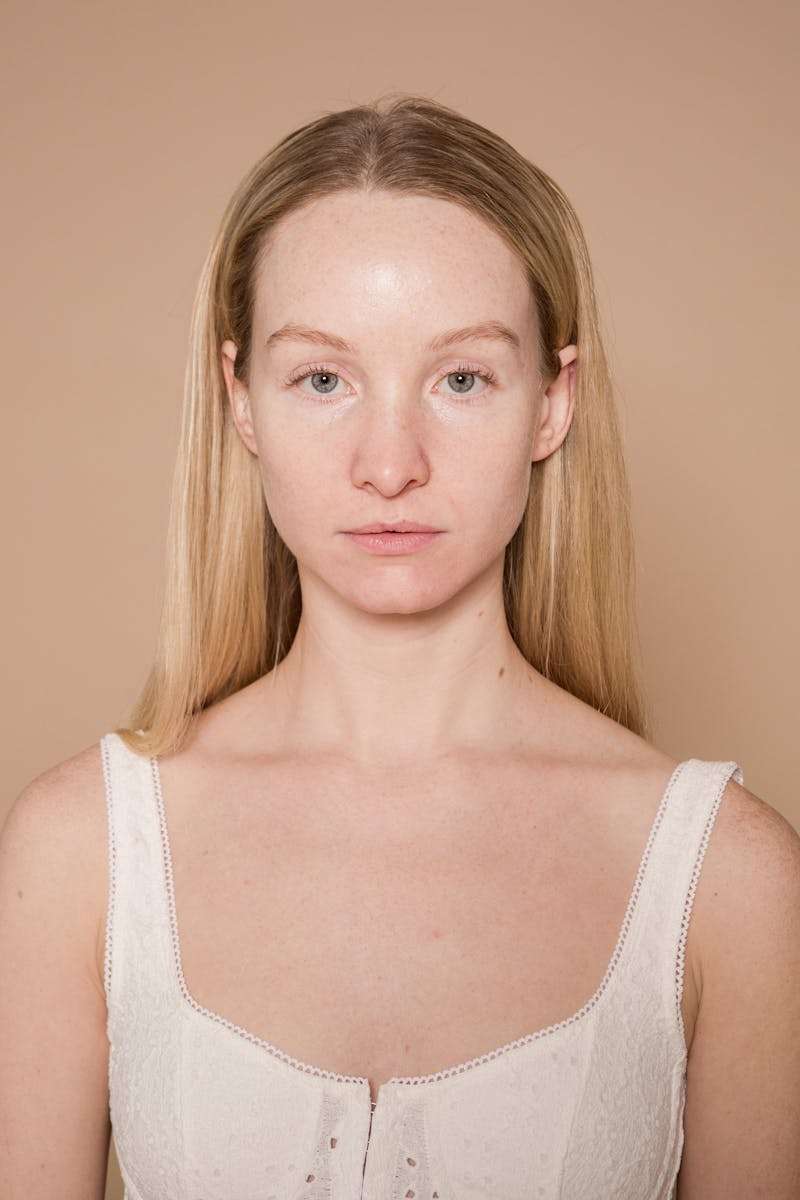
(488, 330)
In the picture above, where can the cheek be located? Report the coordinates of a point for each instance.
(297, 479)
(494, 487)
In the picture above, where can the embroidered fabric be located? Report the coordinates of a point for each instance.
(591, 1106)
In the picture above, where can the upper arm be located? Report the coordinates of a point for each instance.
(742, 1115)
(54, 1122)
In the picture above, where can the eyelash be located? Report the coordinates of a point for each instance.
(466, 368)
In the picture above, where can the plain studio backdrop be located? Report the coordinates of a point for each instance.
(673, 130)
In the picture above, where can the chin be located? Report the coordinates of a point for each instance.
(401, 596)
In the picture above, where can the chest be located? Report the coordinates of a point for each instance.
(368, 932)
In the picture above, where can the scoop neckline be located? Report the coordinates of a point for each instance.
(468, 1065)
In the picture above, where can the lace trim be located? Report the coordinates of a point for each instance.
(448, 1072)
(112, 865)
(615, 958)
(735, 773)
(306, 1068)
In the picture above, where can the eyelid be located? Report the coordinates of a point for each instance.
(472, 368)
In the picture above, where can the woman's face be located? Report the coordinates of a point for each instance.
(387, 425)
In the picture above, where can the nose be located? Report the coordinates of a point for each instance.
(389, 447)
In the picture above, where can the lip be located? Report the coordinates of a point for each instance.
(393, 542)
(395, 527)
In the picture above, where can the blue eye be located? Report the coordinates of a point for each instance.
(327, 377)
(464, 373)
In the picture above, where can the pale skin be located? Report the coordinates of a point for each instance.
(402, 754)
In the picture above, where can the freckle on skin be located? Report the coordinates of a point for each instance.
(19, 893)
(502, 671)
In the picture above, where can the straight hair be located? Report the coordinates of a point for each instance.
(232, 602)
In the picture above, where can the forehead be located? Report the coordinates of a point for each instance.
(361, 262)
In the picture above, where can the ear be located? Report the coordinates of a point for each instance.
(557, 407)
(238, 397)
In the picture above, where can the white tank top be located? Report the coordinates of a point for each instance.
(589, 1108)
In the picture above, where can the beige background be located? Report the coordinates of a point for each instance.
(671, 128)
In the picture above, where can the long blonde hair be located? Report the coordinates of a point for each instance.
(232, 600)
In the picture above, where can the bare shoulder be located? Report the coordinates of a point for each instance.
(64, 800)
(54, 1046)
(750, 878)
(742, 1117)
(59, 821)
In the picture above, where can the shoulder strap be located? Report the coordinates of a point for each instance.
(138, 945)
(684, 824)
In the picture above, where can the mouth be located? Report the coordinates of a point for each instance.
(403, 538)
(396, 527)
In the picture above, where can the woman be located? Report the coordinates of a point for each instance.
(383, 891)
